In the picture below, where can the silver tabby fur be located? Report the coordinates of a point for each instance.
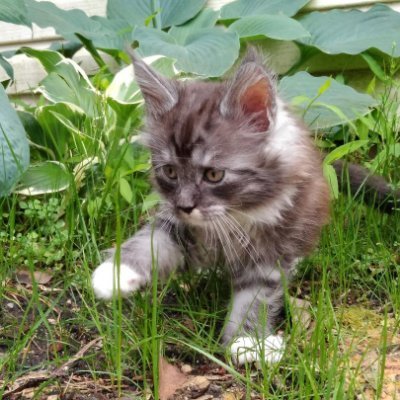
(264, 215)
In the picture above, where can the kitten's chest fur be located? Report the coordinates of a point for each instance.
(235, 245)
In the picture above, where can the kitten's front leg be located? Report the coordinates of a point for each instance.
(257, 300)
(149, 245)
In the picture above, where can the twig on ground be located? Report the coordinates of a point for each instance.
(33, 378)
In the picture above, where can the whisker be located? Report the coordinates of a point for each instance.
(217, 231)
(242, 237)
(240, 229)
(231, 257)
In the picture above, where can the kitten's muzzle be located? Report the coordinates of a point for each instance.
(192, 216)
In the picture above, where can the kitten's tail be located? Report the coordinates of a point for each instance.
(373, 189)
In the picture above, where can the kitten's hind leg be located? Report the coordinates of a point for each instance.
(250, 324)
(138, 255)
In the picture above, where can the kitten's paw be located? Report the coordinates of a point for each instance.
(103, 280)
(248, 349)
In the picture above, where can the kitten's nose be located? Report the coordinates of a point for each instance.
(186, 210)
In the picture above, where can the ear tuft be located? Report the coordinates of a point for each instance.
(251, 94)
(252, 55)
(255, 103)
(160, 93)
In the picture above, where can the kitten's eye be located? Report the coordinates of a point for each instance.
(170, 171)
(213, 175)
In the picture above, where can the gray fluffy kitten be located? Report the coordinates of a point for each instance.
(242, 184)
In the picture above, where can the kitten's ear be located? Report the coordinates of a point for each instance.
(160, 94)
(251, 94)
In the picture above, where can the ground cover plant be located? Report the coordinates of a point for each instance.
(86, 189)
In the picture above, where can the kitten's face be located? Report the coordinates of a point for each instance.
(207, 165)
(208, 144)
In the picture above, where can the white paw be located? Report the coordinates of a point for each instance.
(248, 349)
(104, 282)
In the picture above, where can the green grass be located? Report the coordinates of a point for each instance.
(356, 264)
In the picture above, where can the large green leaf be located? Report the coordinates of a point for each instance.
(48, 58)
(15, 12)
(123, 93)
(168, 12)
(14, 148)
(66, 81)
(324, 101)
(273, 26)
(164, 65)
(65, 22)
(104, 33)
(115, 34)
(7, 67)
(44, 177)
(34, 132)
(123, 87)
(71, 132)
(206, 51)
(354, 31)
(55, 135)
(243, 8)
(64, 86)
(207, 18)
(131, 12)
(115, 31)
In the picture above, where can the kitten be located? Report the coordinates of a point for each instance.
(242, 184)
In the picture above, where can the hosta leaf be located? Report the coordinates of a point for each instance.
(34, 131)
(177, 12)
(42, 178)
(164, 65)
(335, 104)
(273, 26)
(171, 12)
(7, 67)
(15, 12)
(55, 135)
(104, 33)
(66, 81)
(243, 8)
(205, 19)
(65, 22)
(123, 87)
(206, 51)
(115, 34)
(14, 148)
(131, 12)
(48, 58)
(56, 89)
(354, 31)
